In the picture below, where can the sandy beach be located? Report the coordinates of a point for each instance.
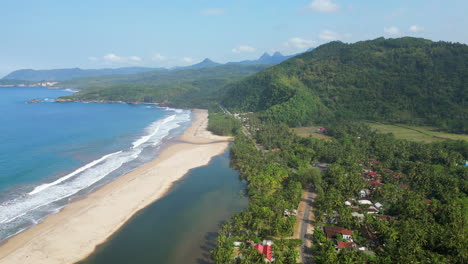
(74, 232)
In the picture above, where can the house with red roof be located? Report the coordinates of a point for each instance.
(371, 210)
(386, 217)
(332, 231)
(322, 130)
(341, 244)
(266, 250)
(375, 184)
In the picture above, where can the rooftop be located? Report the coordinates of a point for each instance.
(332, 231)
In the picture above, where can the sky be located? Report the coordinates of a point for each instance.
(51, 34)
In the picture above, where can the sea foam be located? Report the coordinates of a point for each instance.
(32, 207)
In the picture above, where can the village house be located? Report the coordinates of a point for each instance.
(362, 194)
(379, 206)
(375, 184)
(266, 249)
(341, 244)
(290, 213)
(364, 202)
(322, 130)
(332, 231)
(371, 210)
(358, 215)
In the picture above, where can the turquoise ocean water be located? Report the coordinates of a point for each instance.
(52, 153)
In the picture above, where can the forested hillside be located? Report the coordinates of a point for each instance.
(421, 189)
(407, 80)
(182, 88)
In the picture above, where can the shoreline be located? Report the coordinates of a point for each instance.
(72, 234)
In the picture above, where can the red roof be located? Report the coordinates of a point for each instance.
(332, 231)
(386, 217)
(370, 210)
(373, 173)
(265, 250)
(342, 244)
(375, 183)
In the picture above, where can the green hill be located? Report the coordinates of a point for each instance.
(182, 88)
(405, 80)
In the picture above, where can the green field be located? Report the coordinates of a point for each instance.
(309, 131)
(416, 133)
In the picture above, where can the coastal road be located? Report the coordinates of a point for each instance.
(244, 128)
(304, 225)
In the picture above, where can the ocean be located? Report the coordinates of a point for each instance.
(53, 153)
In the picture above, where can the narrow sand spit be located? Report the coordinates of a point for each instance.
(73, 233)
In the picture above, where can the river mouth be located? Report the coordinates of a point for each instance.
(182, 226)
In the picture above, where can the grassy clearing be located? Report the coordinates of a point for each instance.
(416, 133)
(310, 131)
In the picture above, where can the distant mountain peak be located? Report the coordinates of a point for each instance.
(203, 64)
(207, 60)
(265, 55)
(277, 54)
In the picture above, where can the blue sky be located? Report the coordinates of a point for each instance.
(45, 34)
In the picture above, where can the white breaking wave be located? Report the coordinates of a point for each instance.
(41, 198)
(154, 128)
(68, 176)
(60, 191)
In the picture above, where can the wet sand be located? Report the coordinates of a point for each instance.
(73, 233)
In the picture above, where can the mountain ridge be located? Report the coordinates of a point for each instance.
(407, 80)
(72, 73)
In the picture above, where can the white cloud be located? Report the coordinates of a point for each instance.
(243, 49)
(323, 6)
(329, 35)
(299, 44)
(213, 11)
(158, 57)
(392, 30)
(187, 60)
(134, 58)
(416, 28)
(112, 58)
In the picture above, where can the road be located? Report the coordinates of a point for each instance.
(305, 217)
(244, 129)
(304, 225)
